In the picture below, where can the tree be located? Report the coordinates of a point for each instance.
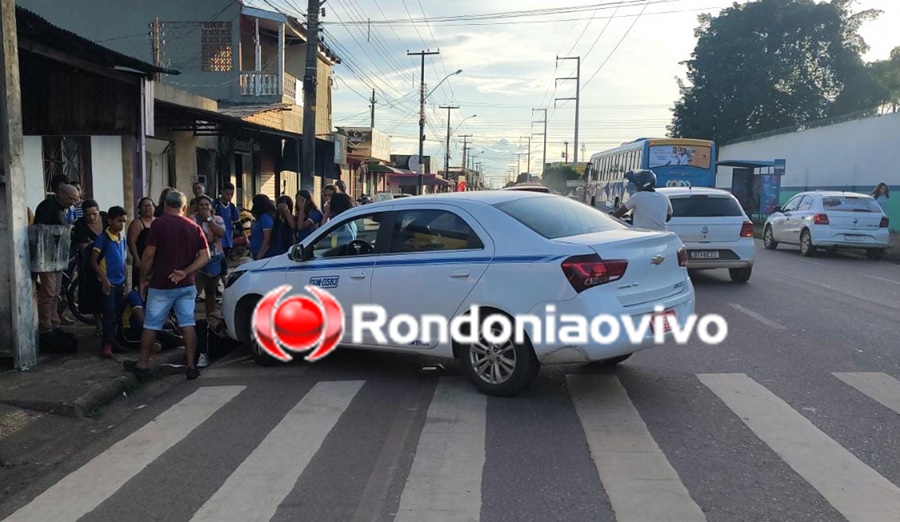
(769, 64)
(555, 177)
(887, 74)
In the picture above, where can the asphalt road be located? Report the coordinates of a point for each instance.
(795, 417)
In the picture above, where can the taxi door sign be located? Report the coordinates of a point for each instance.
(325, 281)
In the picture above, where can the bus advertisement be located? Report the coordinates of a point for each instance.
(676, 162)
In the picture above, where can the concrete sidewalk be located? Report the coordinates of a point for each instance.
(78, 384)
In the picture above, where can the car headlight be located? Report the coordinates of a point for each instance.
(232, 277)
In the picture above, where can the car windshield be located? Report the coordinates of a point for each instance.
(701, 206)
(850, 204)
(555, 217)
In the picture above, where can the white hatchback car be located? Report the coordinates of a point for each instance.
(829, 219)
(512, 252)
(714, 228)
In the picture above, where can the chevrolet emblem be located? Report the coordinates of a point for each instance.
(658, 259)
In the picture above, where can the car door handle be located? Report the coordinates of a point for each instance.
(358, 275)
(462, 272)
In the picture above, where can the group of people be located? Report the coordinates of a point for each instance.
(178, 249)
(285, 222)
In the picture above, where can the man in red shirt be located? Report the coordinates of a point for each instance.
(176, 249)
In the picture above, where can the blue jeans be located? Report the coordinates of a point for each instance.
(161, 302)
(111, 304)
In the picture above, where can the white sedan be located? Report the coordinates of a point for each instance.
(714, 228)
(828, 219)
(508, 252)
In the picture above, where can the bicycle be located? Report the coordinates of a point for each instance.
(68, 295)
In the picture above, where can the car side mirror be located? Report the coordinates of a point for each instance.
(299, 253)
(777, 209)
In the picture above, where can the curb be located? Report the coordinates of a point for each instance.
(100, 394)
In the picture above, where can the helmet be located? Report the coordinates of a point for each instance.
(642, 179)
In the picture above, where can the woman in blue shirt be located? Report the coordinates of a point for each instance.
(261, 232)
(308, 215)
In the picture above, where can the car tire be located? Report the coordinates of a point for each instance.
(740, 275)
(769, 239)
(875, 254)
(613, 361)
(482, 364)
(806, 247)
(260, 357)
(244, 316)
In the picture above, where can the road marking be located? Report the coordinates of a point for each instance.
(445, 480)
(883, 279)
(878, 386)
(636, 475)
(257, 487)
(758, 317)
(83, 490)
(857, 491)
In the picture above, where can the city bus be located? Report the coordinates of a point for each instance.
(677, 162)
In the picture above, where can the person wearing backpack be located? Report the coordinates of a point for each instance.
(108, 259)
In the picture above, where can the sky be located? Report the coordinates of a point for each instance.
(630, 53)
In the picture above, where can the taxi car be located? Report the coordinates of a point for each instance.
(508, 252)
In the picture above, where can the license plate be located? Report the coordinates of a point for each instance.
(668, 315)
(705, 254)
(854, 238)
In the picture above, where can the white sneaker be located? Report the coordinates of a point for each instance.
(203, 362)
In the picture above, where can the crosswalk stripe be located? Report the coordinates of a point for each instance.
(445, 480)
(879, 386)
(857, 491)
(86, 488)
(263, 480)
(635, 473)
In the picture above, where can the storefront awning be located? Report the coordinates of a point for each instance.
(374, 167)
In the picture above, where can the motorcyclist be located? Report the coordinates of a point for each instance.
(650, 209)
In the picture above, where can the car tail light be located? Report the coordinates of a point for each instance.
(884, 222)
(747, 229)
(682, 256)
(590, 270)
(820, 219)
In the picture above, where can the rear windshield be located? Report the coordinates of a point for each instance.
(705, 207)
(555, 217)
(850, 204)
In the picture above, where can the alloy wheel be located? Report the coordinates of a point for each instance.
(494, 363)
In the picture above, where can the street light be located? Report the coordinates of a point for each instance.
(422, 125)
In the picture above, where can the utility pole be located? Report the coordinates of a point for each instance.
(463, 164)
(154, 35)
(372, 118)
(310, 82)
(447, 161)
(577, 97)
(529, 155)
(544, 134)
(421, 169)
(16, 308)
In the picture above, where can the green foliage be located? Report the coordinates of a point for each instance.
(887, 74)
(555, 177)
(769, 64)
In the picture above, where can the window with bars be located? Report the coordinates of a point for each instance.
(69, 156)
(217, 52)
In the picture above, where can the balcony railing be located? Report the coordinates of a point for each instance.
(255, 83)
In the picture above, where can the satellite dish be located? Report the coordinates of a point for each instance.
(413, 162)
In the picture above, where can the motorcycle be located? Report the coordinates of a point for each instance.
(610, 209)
